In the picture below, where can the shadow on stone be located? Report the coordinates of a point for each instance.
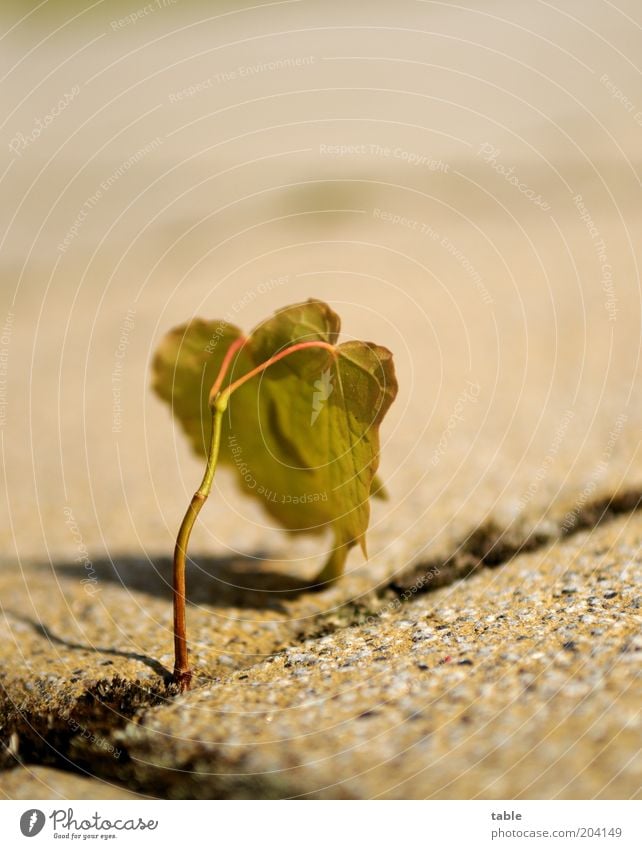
(217, 582)
(43, 631)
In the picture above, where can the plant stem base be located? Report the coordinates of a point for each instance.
(183, 679)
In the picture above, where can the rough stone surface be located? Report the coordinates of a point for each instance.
(521, 682)
(95, 653)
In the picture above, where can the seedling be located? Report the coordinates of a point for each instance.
(296, 414)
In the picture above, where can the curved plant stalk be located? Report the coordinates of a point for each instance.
(218, 401)
(182, 672)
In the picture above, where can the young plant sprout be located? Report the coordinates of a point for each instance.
(296, 414)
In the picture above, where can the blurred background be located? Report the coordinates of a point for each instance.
(460, 181)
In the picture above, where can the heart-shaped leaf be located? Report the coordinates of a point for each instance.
(303, 434)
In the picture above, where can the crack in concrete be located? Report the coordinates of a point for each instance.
(111, 704)
(492, 545)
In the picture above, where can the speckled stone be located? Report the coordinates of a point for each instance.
(96, 653)
(521, 682)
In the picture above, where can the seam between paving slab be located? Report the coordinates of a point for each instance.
(43, 741)
(492, 545)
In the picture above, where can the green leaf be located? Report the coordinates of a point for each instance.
(303, 435)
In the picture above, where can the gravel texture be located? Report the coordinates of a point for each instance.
(519, 682)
